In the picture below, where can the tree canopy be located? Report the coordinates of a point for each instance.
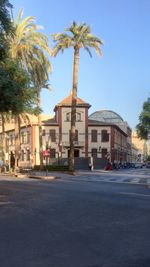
(143, 128)
(15, 91)
(5, 26)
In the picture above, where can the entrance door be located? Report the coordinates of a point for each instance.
(76, 153)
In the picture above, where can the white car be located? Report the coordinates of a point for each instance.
(138, 165)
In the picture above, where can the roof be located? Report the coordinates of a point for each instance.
(68, 102)
(28, 119)
(102, 123)
(107, 116)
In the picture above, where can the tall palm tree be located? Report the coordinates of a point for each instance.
(77, 36)
(40, 78)
(4, 118)
(3, 145)
(31, 48)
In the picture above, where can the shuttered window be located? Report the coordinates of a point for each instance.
(105, 136)
(94, 136)
(52, 134)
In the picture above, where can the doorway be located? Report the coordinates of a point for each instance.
(76, 153)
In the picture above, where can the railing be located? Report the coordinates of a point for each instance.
(76, 143)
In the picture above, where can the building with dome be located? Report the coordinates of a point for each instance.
(103, 136)
(109, 116)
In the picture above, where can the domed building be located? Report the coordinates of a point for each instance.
(103, 136)
(119, 152)
(109, 116)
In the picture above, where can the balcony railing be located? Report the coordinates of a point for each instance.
(76, 144)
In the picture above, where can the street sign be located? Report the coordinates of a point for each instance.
(46, 153)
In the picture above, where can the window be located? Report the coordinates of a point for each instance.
(68, 116)
(94, 152)
(28, 137)
(52, 134)
(22, 155)
(104, 153)
(105, 136)
(78, 116)
(28, 154)
(53, 153)
(22, 137)
(94, 136)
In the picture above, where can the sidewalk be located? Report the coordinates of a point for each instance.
(39, 175)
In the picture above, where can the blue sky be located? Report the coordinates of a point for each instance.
(120, 80)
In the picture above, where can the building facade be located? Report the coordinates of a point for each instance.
(102, 140)
(141, 148)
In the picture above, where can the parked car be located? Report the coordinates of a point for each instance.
(138, 165)
(148, 165)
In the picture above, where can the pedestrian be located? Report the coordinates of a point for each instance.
(91, 164)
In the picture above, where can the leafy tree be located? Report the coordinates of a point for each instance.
(16, 97)
(77, 36)
(5, 26)
(15, 90)
(31, 48)
(143, 128)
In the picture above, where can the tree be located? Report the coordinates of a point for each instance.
(31, 48)
(16, 97)
(77, 36)
(143, 128)
(5, 26)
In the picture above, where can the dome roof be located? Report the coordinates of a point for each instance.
(106, 116)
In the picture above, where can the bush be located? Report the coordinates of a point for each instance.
(52, 168)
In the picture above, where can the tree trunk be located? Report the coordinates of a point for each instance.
(3, 139)
(17, 142)
(40, 130)
(73, 108)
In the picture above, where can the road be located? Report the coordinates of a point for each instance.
(83, 221)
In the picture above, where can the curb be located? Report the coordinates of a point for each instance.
(43, 177)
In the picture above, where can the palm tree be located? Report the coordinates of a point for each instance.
(3, 145)
(4, 118)
(77, 36)
(31, 48)
(40, 78)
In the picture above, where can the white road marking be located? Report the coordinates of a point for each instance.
(134, 194)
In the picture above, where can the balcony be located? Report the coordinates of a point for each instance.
(76, 144)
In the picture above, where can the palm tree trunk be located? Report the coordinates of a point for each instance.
(17, 142)
(40, 130)
(73, 108)
(3, 139)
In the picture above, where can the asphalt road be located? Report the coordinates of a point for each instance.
(64, 223)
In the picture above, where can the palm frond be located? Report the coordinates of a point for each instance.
(77, 35)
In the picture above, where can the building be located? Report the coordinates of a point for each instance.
(141, 148)
(109, 116)
(100, 139)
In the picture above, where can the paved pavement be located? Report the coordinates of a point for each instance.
(131, 176)
(66, 223)
(127, 176)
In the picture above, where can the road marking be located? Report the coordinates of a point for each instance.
(134, 194)
(5, 203)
